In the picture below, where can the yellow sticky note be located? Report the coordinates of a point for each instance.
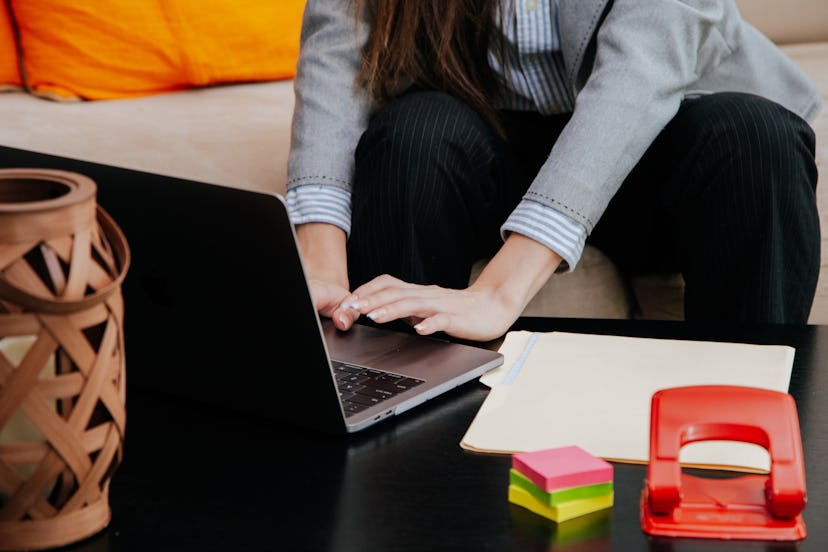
(561, 512)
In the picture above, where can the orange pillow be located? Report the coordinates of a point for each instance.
(9, 73)
(104, 49)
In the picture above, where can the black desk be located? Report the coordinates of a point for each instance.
(202, 478)
(196, 479)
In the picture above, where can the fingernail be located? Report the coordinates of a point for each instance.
(374, 314)
(419, 327)
(353, 304)
(343, 320)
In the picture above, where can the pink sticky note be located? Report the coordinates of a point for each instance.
(561, 468)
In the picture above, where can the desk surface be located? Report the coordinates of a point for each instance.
(202, 478)
(195, 478)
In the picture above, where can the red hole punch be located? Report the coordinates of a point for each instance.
(756, 507)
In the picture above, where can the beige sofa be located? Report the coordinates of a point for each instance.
(238, 135)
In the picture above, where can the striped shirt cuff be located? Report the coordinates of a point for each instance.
(558, 232)
(320, 203)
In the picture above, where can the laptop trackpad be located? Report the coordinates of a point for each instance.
(407, 354)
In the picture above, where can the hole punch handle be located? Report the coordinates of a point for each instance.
(684, 415)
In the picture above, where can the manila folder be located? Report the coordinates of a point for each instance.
(558, 389)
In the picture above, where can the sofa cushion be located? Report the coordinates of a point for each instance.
(236, 135)
(788, 22)
(104, 49)
(9, 74)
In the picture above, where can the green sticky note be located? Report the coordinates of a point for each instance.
(562, 496)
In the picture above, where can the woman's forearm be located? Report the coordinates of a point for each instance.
(322, 247)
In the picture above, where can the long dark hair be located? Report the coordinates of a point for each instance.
(439, 44)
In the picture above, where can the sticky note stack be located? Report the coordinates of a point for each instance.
(560, 483)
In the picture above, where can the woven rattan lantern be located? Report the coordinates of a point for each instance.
(62, 371)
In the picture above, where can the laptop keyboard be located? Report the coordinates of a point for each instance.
(360, 388)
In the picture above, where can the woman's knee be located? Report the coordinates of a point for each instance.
(426, 154)
(424, 129)
(757, 138)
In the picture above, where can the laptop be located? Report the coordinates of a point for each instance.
(218, 311)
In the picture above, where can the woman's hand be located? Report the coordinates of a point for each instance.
(483, 311)
(473, 313)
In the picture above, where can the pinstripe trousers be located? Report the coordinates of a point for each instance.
(725, 195)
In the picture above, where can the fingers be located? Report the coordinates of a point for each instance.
(440, 322)
(466, 314)
(328, 299)
(384, 298)
(344, 318)
(379, 285)
(409, 308)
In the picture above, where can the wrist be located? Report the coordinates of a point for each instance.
(518, 271)
(323, 252)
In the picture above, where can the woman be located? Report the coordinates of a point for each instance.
(431, 133)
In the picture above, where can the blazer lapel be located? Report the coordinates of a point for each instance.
(579, 20)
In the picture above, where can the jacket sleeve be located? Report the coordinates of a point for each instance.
(647, 53)
(331, 111)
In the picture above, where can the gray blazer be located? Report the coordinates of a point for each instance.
(630, 63)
